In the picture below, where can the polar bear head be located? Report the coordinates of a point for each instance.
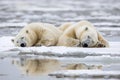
(89, 37)
(92, 38)
(25, 38)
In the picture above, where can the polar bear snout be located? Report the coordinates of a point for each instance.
(84, 45)
(23, 44)
(86, 42)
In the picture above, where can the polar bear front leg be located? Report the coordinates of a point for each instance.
(48, 39)
(102, 42)
(73, 42)
(48, 42)
(99, 45)
(68, 41)
(45, 43)
(38, 43)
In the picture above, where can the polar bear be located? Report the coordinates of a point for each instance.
(64, 26)
(82, 34)
(37, 34)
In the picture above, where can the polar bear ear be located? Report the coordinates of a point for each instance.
(12, 40)
(27, 31)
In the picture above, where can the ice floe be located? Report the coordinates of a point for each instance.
(7, 45)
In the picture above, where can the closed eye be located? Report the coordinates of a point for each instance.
(17, 41)
(88, 36)
(92, 41)
(22, 37)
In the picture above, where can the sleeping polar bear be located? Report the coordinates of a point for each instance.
(82, 34)
(37, 34)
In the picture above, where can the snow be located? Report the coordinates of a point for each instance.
(98, 18)
(7, 45)
(17, 25)
(4, 25)
(102, 13)
(6, 41)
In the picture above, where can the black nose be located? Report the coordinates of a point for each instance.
(22, 44)
(85, 45)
